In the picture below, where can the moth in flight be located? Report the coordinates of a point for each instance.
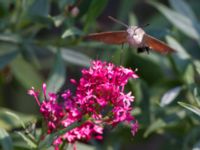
(135, 36)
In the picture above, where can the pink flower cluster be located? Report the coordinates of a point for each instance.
(99, 97)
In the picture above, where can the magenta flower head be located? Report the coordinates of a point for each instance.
(100, 94)
(100, 99)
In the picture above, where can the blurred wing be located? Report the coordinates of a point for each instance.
(116, 37)
(157, 45)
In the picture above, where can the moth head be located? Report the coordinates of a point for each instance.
(135, 35)
(135, 31)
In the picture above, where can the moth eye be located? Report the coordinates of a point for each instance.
(135, 34)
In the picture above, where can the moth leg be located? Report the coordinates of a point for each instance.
(141, 49)
(121, 54)
(147, 49)
(122, 46)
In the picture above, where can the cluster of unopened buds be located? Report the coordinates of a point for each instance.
(99, 98)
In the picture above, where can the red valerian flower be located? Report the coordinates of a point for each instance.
(99, 99)
(100, 93)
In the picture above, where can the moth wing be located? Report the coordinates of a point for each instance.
(116, 37)
(157, 45)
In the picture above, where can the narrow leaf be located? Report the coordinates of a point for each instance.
(197, 65)
(196, 92)
(27, 140)
(189, 74)
(132, 19)
(71, 32)
(73, 57)
(58, 20)
(183, 8)
(57, 78)
(5, 59)
(196, 146)
(83, 146)
(94, 10)
(190, 107)
(191, 139)
(181, 58)
(51, 137)
(126, 6)
(11, 38)
(5, 140)
(170, 96)
(11, 119)
(25, 73)
(40, 8)
(180, 21)
(15, 116)
(158, 124)
(181, 52)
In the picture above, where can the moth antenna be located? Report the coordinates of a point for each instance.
(118, 21)
(145, 25)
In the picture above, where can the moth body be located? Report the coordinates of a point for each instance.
(135, 36)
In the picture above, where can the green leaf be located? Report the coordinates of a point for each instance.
(132, 19)
(170, 96)
(182, 22)
(196, 92)
(12, 119)
(38, 14)
(63, 3)
(5, 59)
(95, 9)
(83, 146)
(58, 75)
(141, 61)
(58, 20)
(190, 107)
(5, 140)
(71, 32)
(181, 58)
(142, 96)
(183, 8)
(29, 52)
(191, 139)
(158, 124)
(73, 57)
(25, 73)
(51, 137)
(27, 140)
(40, 8)
(15, 116)
(188, 75)
(196, 146)
(181, 52)
(126, 6)
(197, 65)
(11, 38)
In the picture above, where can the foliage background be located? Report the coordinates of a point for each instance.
(40, 41)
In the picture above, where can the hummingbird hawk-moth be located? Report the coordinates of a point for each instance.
(135, 36)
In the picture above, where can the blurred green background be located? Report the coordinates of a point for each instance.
(41, 41)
